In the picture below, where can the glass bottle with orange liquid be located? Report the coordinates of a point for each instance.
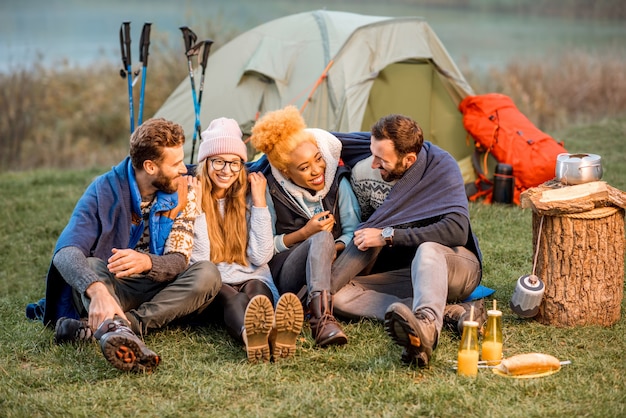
(467, 364)
(492, 340)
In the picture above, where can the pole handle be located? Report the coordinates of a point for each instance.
(144, 44)
(125, 44)
(205, 52)
(189, 37)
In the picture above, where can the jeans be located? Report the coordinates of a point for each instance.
(308, 264)
(149, 304)
(437, 275)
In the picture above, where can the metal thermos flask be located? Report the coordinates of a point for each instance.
(503, 184)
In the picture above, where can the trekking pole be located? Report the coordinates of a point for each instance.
(127, 71)
(206, 48)
(144, 45)
(189, 37)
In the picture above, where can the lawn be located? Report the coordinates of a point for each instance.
(204, 373)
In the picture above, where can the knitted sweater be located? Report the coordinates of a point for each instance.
(259, 252)
(108, 216)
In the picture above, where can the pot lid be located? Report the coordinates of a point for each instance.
(580, 157)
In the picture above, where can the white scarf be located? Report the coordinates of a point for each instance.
(330, 148)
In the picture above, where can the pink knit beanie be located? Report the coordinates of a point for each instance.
(223, 136)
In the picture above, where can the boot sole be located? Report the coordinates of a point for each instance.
(126, 354)
(401, 332)
(258, 321)
(289, 320)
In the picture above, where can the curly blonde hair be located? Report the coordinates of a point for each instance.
(278, 133)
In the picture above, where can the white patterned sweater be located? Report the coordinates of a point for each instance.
(259, 252)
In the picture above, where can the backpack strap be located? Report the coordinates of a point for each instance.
(483, 185)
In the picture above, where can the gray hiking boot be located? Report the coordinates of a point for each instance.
(456, 313)
(69, 330)
(413, 331)
(123, 349)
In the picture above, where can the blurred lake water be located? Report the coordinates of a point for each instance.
(83, 32)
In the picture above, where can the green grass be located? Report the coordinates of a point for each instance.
(204, 373)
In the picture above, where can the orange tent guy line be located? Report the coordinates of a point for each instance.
(319, 81)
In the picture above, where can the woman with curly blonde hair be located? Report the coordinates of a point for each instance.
(314, 211)
(234, 232)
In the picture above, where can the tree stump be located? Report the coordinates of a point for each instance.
(580, 258)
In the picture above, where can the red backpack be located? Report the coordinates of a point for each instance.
(500, 129)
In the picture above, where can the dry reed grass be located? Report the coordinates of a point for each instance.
(72, 117)
(570, 88)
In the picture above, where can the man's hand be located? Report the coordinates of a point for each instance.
(124, 263)
(368, 238)
(102, 306)
(195, 184)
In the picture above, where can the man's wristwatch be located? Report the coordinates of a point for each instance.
(387, 235)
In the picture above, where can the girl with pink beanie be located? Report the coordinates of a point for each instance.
(234, 231)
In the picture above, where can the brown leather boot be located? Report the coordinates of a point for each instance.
(324, 327)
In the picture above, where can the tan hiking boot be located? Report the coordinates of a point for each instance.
(413, 331)
(288, 322)
(258, 321)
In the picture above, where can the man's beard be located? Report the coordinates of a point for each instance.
(164, 184)
(396, 173)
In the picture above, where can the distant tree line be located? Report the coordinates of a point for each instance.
(576, 9)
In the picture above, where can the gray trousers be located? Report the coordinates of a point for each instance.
(151, 305)
(437, 275)
(309, 264)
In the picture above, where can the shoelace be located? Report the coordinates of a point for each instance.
(116, 326)
(324, 320)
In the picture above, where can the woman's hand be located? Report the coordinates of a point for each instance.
(323, 221)
(258, 184)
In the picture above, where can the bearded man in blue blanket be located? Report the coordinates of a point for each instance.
(121, 265)
(414, 259)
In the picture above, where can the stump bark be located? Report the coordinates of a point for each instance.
(579, 244)
(581, 260)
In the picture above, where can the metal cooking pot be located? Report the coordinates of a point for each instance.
(578, 168)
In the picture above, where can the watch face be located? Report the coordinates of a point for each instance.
(387, 232)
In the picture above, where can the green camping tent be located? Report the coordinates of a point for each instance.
(343, 70)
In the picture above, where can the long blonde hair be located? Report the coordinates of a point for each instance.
(228, 235)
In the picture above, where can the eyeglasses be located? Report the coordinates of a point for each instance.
(219, 164)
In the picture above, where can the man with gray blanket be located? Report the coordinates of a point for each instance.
(415, 242)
